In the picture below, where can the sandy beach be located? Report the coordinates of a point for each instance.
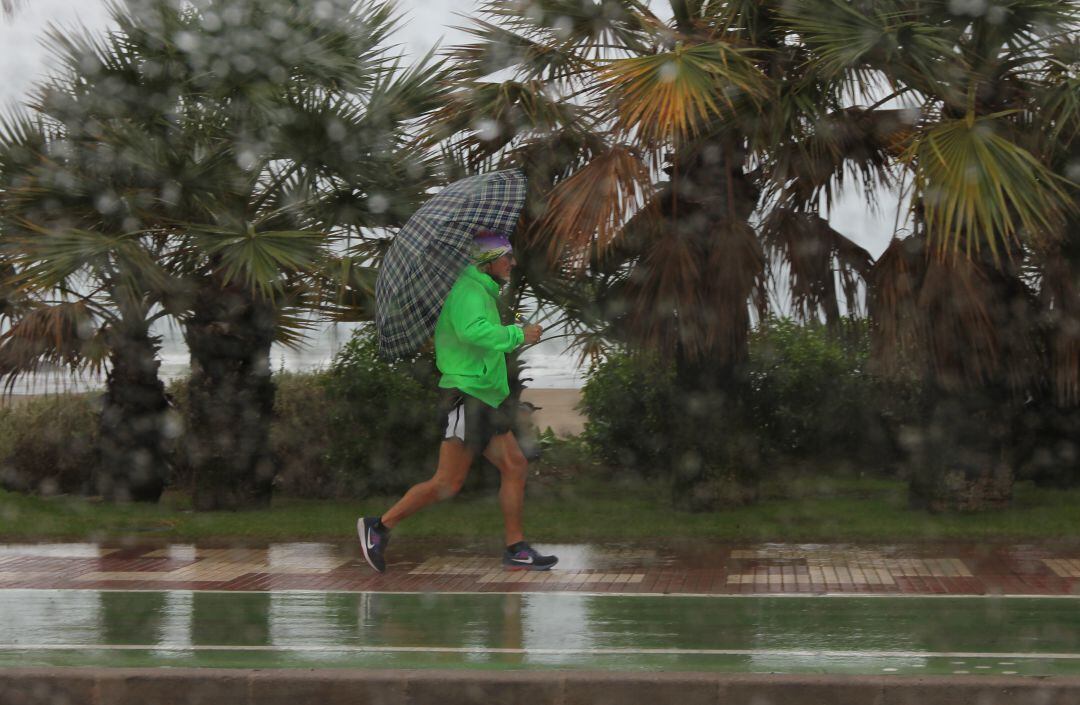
(557, 410)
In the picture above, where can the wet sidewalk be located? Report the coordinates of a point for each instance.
(669, 568)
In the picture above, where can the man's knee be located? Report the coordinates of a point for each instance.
(447, 487)
(515, 467)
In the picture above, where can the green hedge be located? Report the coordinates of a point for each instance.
(804, 396)
(382, 424)
(48, 445)
(813, 396)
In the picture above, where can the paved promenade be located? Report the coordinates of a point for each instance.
(420, 566)
(619, 624)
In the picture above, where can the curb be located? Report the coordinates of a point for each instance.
(211, 686)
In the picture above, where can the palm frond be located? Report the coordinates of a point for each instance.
(1059, 100)
(498, 48)
(809, 167)
(847, 38)
(46, 258)
(586, 212)
(979, 189)
(671, 96)
(584, 25)
(482, 119)
(57, 335)
(261, 259)
(814, 254)
(346, 289)
(293, 324)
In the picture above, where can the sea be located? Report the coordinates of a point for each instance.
(549, 364)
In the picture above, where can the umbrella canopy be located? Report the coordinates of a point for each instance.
(432, 250)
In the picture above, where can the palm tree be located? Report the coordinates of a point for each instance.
(320, 152)
(84, 285)
(259, 135)
(967, 296)
(674, 162)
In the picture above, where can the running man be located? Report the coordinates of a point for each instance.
(474, 410)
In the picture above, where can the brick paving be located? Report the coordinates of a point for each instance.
(931, 569)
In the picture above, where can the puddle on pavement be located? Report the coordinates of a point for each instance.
(901, 636)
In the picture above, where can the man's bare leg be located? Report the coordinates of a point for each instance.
(454, 462)
(503, 451)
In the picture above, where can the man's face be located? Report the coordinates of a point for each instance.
(500, 268)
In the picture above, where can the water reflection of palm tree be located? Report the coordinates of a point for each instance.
(511, 631)
(219, 618)
(132, 618)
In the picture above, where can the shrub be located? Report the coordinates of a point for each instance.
(628, 402)
(640, 422)
(300, 437)
(812, 396)
(48, 445)
(805, 394)
(381, 418)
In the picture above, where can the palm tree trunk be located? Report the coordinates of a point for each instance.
(230, 400)
(962, 462)
(716, 199)
(134, 462)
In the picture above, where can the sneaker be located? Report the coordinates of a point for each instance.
(373, 542)
(527, 558)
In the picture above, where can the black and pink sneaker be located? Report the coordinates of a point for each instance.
(522, 556)
(373, 542)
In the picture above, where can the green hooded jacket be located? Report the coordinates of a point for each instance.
(470, 341)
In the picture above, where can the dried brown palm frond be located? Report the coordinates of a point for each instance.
(892, 294)
(733, 281)
(814, 253)
(854, 141)
(969, 323)
(57, 335)
(690, 295)
(586, 212)
(958, 327)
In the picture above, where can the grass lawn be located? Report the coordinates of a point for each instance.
(814, 509)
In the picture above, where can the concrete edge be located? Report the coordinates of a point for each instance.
(211, 686)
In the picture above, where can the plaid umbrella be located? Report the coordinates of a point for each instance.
(432, 250)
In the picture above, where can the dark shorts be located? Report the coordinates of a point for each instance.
(472, 421)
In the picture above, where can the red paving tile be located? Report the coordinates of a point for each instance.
(771, 568)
